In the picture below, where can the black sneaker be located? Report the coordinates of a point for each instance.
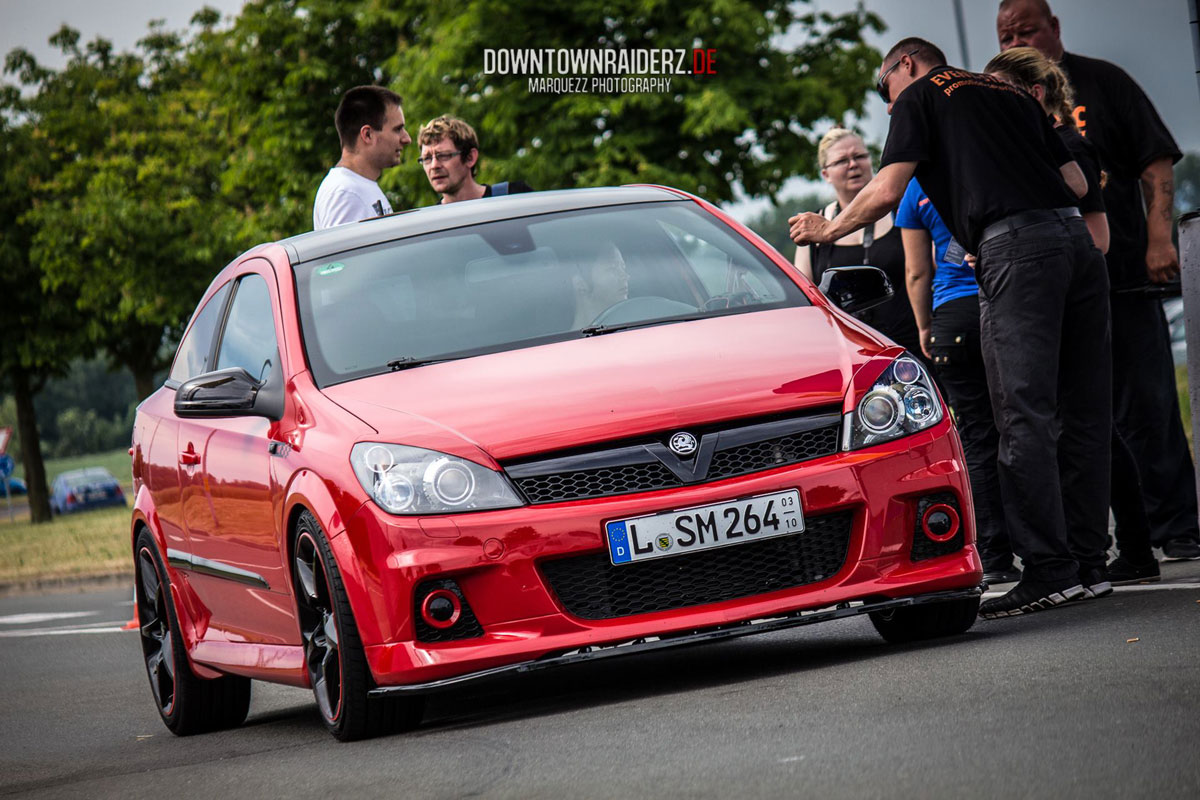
(1181, 550)
(1123, 573)
(993, 577)
(1095, 583)
(1029, 596)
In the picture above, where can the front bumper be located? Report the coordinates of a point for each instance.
(497, 560)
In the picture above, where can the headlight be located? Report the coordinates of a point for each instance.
(409, 480)
(901, 402)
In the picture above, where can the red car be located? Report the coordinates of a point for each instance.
(517, 433)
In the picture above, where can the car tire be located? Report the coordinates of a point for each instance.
(187, 703)
(926, 621)
(333, 652)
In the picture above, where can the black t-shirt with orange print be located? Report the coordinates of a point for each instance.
(984, 150)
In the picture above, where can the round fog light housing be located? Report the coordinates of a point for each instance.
(940, 522)
(441, 609)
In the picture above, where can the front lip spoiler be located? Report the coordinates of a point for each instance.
(650, 643)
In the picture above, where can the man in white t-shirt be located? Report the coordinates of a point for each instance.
(370, 125)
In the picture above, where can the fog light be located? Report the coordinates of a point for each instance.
(441, 608)
(940, 522)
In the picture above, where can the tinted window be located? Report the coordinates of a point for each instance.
(192, 357)
(249, 338)
(522, 282)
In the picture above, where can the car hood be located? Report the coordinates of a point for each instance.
(568, 394)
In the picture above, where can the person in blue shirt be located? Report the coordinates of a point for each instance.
(945, 302)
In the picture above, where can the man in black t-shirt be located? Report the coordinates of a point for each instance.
(1137, 151)
(990, 161)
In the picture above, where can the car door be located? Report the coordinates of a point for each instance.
(158, 459)
(229, 494)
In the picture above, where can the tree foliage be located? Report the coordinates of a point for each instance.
(750, 123)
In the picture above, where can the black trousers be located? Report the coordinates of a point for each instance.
(958, 363)
(1044, 315)
(1146, 408)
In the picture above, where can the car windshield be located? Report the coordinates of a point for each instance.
(523, 282)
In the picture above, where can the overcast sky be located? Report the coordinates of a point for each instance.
(1149, 38)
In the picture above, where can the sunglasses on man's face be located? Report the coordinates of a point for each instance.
(881, 84)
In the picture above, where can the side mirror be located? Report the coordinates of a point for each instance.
(856, 289)
(231, 392)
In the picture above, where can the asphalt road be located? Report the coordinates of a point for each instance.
(1101, 699)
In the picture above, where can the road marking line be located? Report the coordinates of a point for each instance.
(57, 632)
(47, 616)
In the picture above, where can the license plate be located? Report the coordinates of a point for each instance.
(98, 494)
(676, 533)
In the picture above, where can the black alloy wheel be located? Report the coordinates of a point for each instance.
(186, 702)
(318, 628)
(333, 652)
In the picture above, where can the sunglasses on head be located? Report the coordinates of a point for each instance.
(881, 87)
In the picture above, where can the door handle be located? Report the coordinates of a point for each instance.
(189, 458)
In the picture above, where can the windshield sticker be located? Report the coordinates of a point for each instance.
(331, 269)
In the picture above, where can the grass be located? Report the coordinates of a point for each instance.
(115, 461)
(89, 543)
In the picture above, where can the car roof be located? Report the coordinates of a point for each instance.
(85, 473)
(339, 239)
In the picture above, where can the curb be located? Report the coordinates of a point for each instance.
(66, 584)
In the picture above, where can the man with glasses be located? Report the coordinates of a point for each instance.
(1007, 189)
(370, 125)
(450, 156)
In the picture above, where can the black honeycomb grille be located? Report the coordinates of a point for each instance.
(592, 588)
(633, 466)
(601, 482)
(773, 453)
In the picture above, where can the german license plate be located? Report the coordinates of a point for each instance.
(675, 533)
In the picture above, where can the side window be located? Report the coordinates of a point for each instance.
(192, 357)
(249, 338)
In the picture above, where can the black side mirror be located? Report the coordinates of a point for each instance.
(232, 392)
(856, 289)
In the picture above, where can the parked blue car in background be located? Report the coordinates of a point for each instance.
(18, 487)
(85, 489)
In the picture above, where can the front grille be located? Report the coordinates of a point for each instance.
(591, 587)
(774, 453)
(597, 482)
(646, 464)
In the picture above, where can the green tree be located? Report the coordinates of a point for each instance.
(39, 333)
(750, 123)
(131, 217)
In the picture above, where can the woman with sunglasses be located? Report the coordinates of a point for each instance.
(846, 166)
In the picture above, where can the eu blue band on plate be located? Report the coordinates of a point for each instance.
(618, 543)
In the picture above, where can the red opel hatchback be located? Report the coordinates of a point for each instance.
(516, 433)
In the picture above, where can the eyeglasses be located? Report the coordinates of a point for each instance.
(442, 158)
(880, 85)
(845, 162)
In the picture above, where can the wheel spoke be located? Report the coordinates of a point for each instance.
(306, 569)
(168, 656)
(329, 627)
(149, 588)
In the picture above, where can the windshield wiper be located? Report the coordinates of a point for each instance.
(599, 330)
(407, 362)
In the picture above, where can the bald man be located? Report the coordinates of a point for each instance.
(1137, 151)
